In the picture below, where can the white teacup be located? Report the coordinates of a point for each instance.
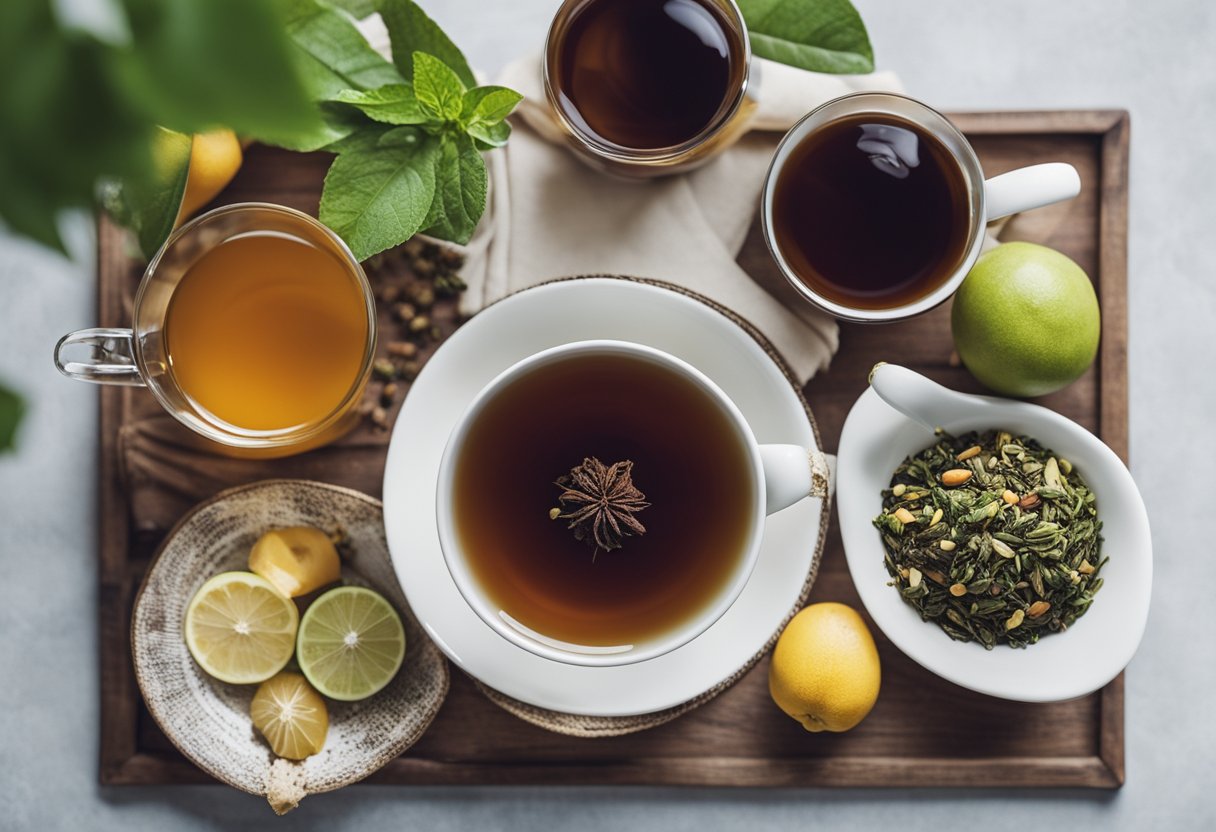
(779, 476)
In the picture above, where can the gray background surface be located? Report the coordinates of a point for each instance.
(1157, 59)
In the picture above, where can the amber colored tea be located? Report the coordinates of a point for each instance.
(267, 332)
(646, 74)
(688, 460)
(871, 212)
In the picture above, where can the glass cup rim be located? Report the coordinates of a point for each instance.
(923, 116)
(236, 437)
(651, 155)
(453, 550)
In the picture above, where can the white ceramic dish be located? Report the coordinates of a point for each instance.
(876, 438)
(524, 324)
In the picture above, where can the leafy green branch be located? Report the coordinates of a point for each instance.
(408, 133)
(78, 109)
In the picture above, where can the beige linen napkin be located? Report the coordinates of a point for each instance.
(550, 215)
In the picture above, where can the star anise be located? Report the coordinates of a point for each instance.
(601, 501)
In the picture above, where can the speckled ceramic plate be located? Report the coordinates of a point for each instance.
(208, 720)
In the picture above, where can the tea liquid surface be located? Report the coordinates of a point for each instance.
(871, 212)
(267, 332)
(687, 461)
(647, 74)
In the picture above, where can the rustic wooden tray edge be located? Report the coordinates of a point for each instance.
(123, 763)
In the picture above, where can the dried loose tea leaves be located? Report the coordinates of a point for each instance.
(992, 537)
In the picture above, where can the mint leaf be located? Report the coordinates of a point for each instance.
(333, 55)
(379, 191)
(439, 90)
(12, 408)
(410, 31)
(488, 105)
(150, 207)
(196, 64)
(390, 104)
(490, 136)
(818, 35)
(460, 190)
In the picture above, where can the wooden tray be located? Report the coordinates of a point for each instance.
(923, 732)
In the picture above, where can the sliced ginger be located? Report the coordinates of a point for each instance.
(296, 560)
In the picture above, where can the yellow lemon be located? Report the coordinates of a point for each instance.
(215, 157)
(290, 715)
(825, 671)
(296, 560)
(240, 629)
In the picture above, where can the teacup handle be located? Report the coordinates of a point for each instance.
(112, 361)
(792, 472)
(1030, 187)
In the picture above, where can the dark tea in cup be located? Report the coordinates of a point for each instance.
(871, 211)
(644, 88)
(875, 205)
(687, 462)
(647, 73)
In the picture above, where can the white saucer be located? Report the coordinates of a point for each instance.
(558, 313)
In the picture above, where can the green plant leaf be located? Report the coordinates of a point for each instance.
(410, 31)
(359, 9)
(818, 35)
(488, 105)
(439, 91)
(197, 64)
(460, 190)
(12, 408)
(336, 124)
(379, 190)
(64, 122)
(334, 55)
(488, 137)
(150, 207)
(390, 104)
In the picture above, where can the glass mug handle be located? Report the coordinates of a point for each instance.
(112, 362)
(792, 472)
(1030, 187)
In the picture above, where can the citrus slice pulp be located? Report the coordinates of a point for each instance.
(351, 643)
(240, 629)
(290, 715)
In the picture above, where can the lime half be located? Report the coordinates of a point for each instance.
(240, 629)
(350, 644)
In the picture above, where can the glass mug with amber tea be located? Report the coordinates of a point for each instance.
(254, 326)
(875, 205)
(645, 88)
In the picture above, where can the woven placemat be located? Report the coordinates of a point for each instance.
(575, 725)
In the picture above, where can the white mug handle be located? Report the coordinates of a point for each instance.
(1030, 187)
(792, 472)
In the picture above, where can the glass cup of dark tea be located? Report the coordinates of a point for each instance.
(875, 205)
(603, 502)
(646, 88)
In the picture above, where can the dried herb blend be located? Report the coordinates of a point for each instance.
(992, 537)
